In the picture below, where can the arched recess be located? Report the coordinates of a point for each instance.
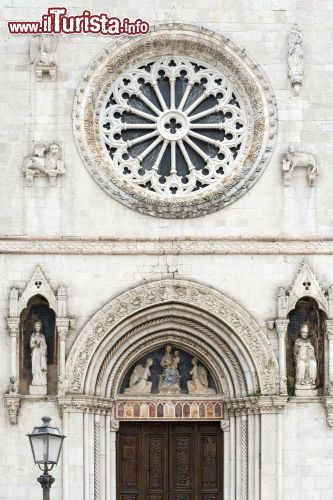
(189, 314)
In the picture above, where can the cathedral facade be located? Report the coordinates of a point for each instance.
(166, 247)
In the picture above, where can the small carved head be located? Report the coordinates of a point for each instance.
(54, 149)
(37, 327)
(194, 361)
(149, 361)
(304, 331)
(168, 348)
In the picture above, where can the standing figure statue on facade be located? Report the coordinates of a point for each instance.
(38, 360)
(295, 59)
(169, 382)
(199, 382)
(139, 383)
(42, 55)
(306, 364)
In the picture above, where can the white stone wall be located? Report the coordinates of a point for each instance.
(78, 207)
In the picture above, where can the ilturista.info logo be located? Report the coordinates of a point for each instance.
(57, 21)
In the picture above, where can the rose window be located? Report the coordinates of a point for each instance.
(173, 126)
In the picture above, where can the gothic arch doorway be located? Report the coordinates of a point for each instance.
(241, 398)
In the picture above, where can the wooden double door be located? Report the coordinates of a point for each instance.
(169, 461)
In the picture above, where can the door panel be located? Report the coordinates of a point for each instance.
(169, 461)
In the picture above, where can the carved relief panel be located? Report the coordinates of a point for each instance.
(168, 371)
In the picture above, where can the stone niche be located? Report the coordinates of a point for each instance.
(306, 312)
(38, 310)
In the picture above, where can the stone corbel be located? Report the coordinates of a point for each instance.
(12, 403)
(225, 425)
(329, 410)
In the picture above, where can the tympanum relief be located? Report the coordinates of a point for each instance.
(168, 372)
(306, 364)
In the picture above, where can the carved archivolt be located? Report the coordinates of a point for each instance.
(118, 169)
(115, 319)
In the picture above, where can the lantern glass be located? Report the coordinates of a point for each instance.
(46, 442)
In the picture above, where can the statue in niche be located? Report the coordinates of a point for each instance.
(295, 59)
(306, 364)
(38, 360)
(45, 159)
(139, 383)
(199, 382)
(169, 380)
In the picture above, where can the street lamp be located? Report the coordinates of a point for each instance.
(46, 442)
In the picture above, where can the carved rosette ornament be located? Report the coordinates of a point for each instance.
(175, 124)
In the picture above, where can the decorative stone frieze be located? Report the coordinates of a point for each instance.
(292, 159)
(26, 245)
(132, 175)
(256, 405)
(42, 56)
(45, 160)
(82, 403)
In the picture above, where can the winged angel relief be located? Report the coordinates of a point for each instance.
(139, 383)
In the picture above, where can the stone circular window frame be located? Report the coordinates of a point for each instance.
(189, 41)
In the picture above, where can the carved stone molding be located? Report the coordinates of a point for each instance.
(256, 405)
(199, 44)
(82, 403)
(164, 292)
(12, 403)
(161, 246)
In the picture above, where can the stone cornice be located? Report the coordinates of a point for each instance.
(256, 405)
(158, 246)
(82, 403)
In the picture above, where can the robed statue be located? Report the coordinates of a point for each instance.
(139, 383)
(38, 355)
(169, 380)
(305, 361)
(199, 382)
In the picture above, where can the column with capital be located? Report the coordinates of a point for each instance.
(329, 333)
(62, 329)
(281, 326)
(13, 326)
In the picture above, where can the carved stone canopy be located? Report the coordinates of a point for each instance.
(305, 284)
(132, 175)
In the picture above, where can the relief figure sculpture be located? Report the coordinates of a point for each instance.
(139, 383)
(306, 364)
(199, 382)
(169, 382)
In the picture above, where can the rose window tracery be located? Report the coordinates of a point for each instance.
(173, 126)
(178, 123)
